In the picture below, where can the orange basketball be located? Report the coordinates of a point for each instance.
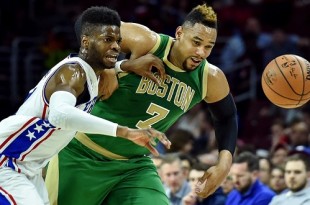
(286, 81)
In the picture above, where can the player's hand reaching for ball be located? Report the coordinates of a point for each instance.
(144, 137)
(214, 176)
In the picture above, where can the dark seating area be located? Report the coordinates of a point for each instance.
(37, 34)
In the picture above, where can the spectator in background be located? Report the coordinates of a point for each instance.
(305, 113)
(278, 133)
(249, 190)
(217, 198)
(55, 48)
(278, 154)
(228, 184)
(176, 186)
(157, 160)
(209, 158)
(303, 150)
(198, 122)
(282, 43)
(247, 43)
(296, 178)
(187, 162)
(298, 134)
(264, 170)
(277, 183)
(181, 141)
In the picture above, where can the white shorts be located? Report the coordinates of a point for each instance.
(16, 188)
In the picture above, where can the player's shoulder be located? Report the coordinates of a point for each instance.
(71, 69)
(213, 70)
(137, 30)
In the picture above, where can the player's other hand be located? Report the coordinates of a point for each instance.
(190, 199)
(146, 138)
(145, 65)
(214, 176)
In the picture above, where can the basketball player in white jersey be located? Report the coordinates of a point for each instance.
(58, 107)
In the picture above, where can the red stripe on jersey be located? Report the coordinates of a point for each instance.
(8, 196)
(12, 135)
(44, 111)
(45, 138)
(3, 160)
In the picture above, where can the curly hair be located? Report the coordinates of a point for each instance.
(203, 14)
(95, 16)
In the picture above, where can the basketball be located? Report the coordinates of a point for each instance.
(286, 81)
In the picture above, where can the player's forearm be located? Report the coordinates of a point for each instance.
(224, 114)
(64, 115)
(225, 160)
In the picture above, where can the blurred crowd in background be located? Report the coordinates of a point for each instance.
(35, 35)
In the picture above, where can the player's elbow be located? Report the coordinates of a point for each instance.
(57, 117)
(60, 108)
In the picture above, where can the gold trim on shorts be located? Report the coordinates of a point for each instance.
(52, 180)
(86, 141)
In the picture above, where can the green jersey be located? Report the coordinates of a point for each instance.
(140, 103)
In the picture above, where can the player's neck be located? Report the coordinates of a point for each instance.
(173, 55)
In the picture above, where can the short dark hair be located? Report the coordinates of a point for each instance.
(202, 14)
(299, 157)
(249, 158)
(95, 16)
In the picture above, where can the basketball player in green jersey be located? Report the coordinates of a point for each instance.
(95, 169)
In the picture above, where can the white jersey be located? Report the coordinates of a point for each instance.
(27, 139)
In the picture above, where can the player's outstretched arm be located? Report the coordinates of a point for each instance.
(224, 115)
(144, 137)
(62, 91)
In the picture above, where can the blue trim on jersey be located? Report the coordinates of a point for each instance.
(28, 137)
(4, 200)
(11, 163)
(89, 105)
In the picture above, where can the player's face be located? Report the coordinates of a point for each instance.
(104, 46)
(242, 177)
(195, 44)
(295, 175)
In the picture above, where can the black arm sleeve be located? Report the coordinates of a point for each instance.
(224, 116)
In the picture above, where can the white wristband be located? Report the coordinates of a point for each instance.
(118, 66)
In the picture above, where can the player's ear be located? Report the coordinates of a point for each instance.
(178, 32)
(84, 41)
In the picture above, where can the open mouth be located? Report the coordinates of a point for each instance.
(196, 61)
(112, 58)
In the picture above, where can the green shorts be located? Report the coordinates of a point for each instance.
(80, 176)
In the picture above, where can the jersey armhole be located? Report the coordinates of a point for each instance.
(156, 46)
(205, 80)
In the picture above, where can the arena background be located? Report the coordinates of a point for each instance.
(36, 34)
